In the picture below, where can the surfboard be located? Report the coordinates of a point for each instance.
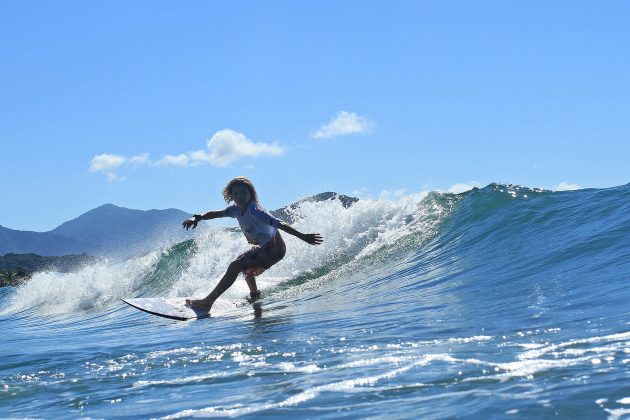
(173, 308)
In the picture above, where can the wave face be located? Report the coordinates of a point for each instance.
(498, 301)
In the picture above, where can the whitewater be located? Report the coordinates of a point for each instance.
(503, 301)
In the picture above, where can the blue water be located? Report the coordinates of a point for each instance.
(498, 302)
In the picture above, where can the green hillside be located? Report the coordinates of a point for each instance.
(16, 268)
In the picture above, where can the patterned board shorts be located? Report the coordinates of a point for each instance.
(260, 258)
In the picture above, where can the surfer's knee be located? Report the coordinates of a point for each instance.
(236, 266)
(253, 271)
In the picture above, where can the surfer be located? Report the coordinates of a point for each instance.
(260, 229)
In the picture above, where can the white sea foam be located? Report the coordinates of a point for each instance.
(184, 380)
(618, 413)
(92, 287)
(309, 393)
(291, 367)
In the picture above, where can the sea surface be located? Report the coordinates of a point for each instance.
(500, 302)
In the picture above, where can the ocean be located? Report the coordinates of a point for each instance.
(499, 302)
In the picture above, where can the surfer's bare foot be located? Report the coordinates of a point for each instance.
(202, 304)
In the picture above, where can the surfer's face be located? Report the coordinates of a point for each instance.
(241, 195)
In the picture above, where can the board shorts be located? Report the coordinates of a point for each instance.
(262, 257)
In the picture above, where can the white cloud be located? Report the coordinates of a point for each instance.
(344, 123)
(361, 192)
(170, 160)
(227, 146)
(565, 186)
(111, 177)
(106, 162)
(140, 160)
(460, 188)
(392, 194)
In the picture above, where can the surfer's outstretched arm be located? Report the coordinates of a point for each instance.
(212, 214)
(311, 238)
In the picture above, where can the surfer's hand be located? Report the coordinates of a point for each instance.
(313, 238)
(190, 222)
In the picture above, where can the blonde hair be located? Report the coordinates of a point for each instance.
(239, 180)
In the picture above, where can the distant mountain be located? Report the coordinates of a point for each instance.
(114, 231)
(108, 230)
(42, 243)
(117, 232)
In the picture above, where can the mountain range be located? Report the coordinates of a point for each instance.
(117, 232)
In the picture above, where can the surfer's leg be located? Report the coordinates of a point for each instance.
(250, 279)
(259, 261)
(253, 289)
(226, 281)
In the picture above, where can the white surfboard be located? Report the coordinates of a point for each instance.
(173, 308)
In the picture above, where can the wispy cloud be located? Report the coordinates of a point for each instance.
(225, 147)
(112, 177)
(402, 195)
(172, 160)
(566, 186)
(106, 163)
(140, 159)
(342, 124)
(462, 187)
(392, 194)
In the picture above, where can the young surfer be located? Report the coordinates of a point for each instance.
(260, 228)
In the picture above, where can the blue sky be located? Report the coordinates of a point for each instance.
(157, 104)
